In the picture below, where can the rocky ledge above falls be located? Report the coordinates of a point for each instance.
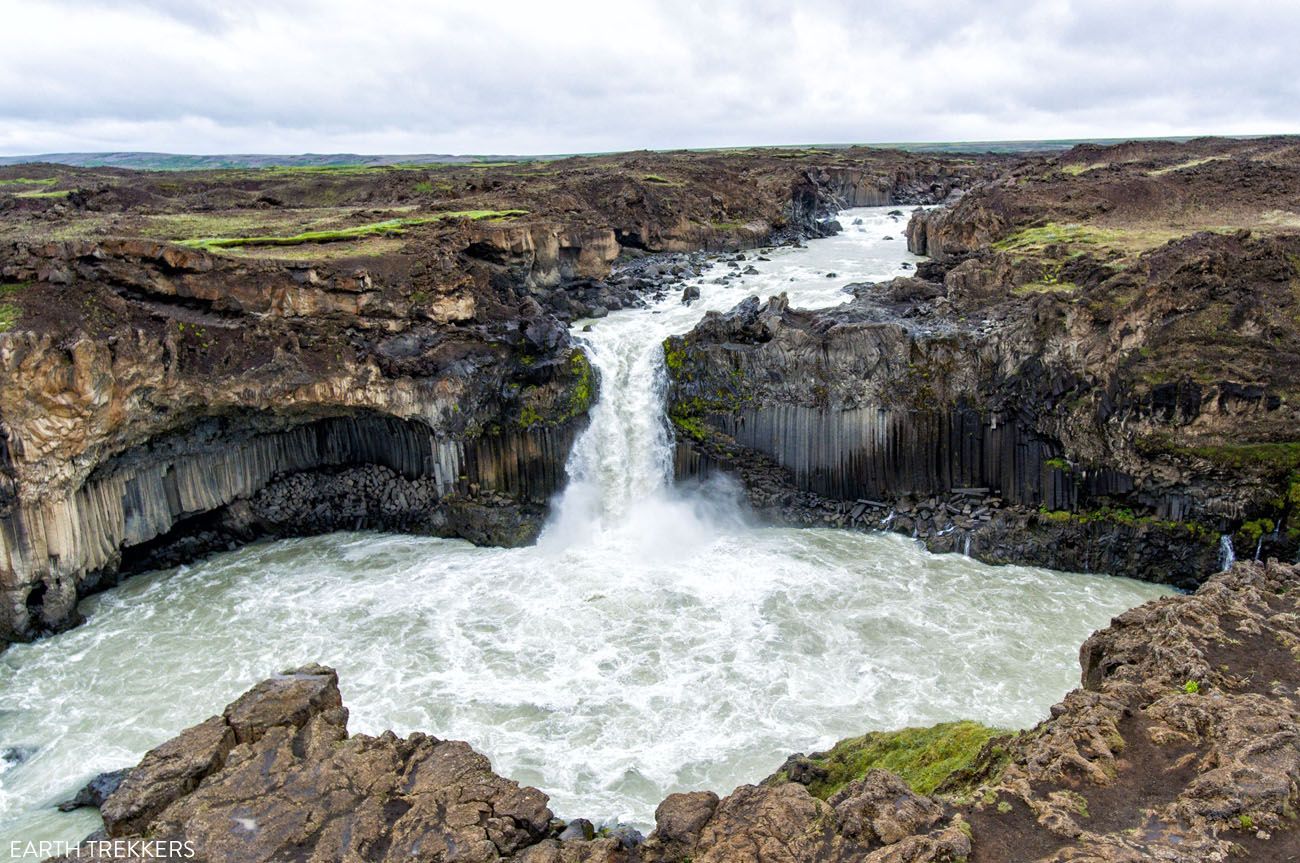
(1182, 745)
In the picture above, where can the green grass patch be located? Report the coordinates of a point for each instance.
(1076, 170)
(57, 194)
(389, 227)
(9, 314)
(1081, 238)
(30, 181)
(1274, 457)
(923, 757)
(1182, 166)
(366, 247)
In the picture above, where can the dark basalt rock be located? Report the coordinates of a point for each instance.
(96, 791)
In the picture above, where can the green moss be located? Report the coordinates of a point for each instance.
(584, 388)
(1057, 463)
(1126, 517)
(1245, 822)
(923, 757)
(1277, 456)
(691, 426)
(529, 416)
(1251, 531)
(1191, 687)
(581, 394)
(674, 353)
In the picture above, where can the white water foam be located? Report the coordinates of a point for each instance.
(651, 642)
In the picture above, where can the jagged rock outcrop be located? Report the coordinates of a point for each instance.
(1183, 744)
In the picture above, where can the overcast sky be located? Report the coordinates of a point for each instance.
(550, 76)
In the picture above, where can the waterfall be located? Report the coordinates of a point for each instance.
(1227, 556)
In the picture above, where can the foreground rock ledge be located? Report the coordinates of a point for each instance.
(1183, 744)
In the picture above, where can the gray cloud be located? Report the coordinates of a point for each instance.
(529, 77)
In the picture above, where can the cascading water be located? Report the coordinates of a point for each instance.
(651, 642)
(1227, 555)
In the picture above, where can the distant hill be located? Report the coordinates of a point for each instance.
(183, 162)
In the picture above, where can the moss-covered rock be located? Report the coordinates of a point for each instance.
(923, 757)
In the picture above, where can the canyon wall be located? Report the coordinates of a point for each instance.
(175, 402)
(974, 440)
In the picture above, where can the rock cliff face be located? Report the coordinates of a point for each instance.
(147, 427)
(189, 361)
(1183, 744)
(1082, 395)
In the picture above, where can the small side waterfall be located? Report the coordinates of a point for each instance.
(1227, 556)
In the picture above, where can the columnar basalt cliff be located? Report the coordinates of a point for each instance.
(190, 361)
(1182, 744)
(1107, 393)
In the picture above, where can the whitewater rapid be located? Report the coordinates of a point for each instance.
(652, 641)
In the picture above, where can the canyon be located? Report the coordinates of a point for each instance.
(1086, 363)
